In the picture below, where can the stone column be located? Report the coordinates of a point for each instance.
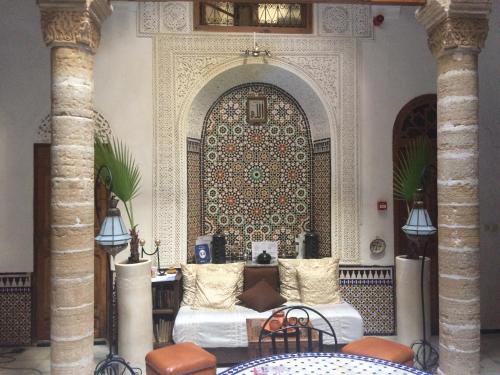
(72, 33)
(456, 41)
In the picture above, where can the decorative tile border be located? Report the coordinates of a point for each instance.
(15, 309)
(370, 289)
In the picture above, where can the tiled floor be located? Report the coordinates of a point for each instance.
(35, 360)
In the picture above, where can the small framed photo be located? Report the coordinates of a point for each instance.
(257, 110)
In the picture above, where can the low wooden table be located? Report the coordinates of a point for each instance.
(254, 327)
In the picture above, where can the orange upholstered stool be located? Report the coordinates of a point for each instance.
(381, 349)
(180, 359)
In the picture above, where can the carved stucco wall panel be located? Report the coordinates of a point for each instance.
(184, 64)
(168, 17)
(344, 20)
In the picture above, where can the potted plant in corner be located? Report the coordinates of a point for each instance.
(133, 277)
(409, 177)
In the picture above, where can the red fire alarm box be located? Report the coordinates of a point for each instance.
(381, 205)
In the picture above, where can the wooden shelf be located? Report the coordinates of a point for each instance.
(166, 303)
(165, 311)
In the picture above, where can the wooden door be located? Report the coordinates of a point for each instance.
(41, 246)
(41, 242)
(418, 118)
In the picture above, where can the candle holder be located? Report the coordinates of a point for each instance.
(142, 242)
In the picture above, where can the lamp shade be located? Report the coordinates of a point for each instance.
(419, 223)
(113, 236)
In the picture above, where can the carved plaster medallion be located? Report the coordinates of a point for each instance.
(174, 17)
(345, 20)
(170, 17)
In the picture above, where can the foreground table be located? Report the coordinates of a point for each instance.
(321, 364)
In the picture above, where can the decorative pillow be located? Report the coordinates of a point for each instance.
(289, 284)
(319, 283)
(252, 275)
(189, 272)
(288, 279)
(188, 283)
(261, 297)
(216, 288)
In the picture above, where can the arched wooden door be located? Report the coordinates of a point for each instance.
(418, 118)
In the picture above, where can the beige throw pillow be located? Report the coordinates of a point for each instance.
(289, 284)
(319, 283)
(188, 283)
(216, 288)
(189, 272)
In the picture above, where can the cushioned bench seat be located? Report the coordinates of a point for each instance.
(222, 328)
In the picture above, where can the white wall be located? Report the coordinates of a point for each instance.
(124, 95)
(24, 102)
(394, 68)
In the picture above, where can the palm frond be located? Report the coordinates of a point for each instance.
(126, 177)
(409, 173)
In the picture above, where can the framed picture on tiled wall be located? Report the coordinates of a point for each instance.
(257, 110)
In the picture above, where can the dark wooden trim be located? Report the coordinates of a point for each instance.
(307, 29)
(494, 331)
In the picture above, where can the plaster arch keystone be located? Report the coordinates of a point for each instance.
(185, 64)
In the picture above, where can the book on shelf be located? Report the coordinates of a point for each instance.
(202, 253)
(162, 330)
(163, 298)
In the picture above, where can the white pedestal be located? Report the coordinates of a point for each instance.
(408, 299)
(135, 312)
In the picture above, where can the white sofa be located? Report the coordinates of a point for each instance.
(227, 328)
(221, 328)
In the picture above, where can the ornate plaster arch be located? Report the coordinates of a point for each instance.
(184, 64)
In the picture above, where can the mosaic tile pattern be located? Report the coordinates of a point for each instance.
(370, 289)
(256, 178)
(15, 309)
(322, 195)
(194, 196)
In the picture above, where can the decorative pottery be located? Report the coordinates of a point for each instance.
(264, 258)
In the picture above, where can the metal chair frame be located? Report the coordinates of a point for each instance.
(302, 324)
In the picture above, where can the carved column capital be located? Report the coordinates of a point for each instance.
(67, 23)
(458, 32)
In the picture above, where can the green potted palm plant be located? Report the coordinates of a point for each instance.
(133, 277)
(126, 180)
(409, 176)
